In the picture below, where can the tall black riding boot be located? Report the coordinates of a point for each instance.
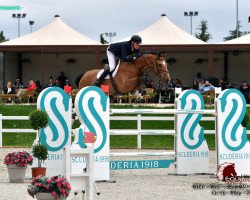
(100, 79)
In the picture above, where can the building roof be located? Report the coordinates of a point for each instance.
(55, 33)
(240, 40)
(164, 32)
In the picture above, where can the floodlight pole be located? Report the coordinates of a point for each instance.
(237, 19)
(191, 14)
(110, 35)
(31, 24)
(19, 16)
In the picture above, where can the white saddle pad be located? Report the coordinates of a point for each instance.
(113, 74)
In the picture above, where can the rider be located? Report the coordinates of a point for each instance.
(127, 51)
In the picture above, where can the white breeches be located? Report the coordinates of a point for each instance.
(111, 59)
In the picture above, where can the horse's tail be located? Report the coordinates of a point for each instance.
(78, 78)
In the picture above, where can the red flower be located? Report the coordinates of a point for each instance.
(18, 158)
(53, 194)
(58, 186)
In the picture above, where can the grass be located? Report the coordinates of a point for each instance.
(156, 142)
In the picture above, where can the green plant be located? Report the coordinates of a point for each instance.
(40, 152)
(39, 119)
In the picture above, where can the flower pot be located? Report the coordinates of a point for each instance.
(36, 171)
(44, 196)
(16, 173)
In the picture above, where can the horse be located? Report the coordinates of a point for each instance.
(127, 77)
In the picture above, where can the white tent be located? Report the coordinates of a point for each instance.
(164, 32)
(55, 33)
(240, 40)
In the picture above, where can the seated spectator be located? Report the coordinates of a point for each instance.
(67, 87)
(18, 85)
(50, 83)
(57, 83)
(9, 89)
(244, 89)
(195, 85)
(138, 95)
(206, 87)
(201, 83)
(31, 86)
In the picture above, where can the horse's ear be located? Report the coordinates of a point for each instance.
(162, 55)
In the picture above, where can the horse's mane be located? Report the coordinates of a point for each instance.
(151, 52)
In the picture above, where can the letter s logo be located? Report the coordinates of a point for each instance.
(192, 134)
(57, 104)
(92, 110)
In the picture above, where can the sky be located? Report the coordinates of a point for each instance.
(126, 17)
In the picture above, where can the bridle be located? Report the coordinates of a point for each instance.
(152, 66)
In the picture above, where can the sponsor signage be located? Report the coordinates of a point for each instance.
(192, 150)
(139, 164)
(232, 142)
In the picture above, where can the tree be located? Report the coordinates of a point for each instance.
(2, 37)
(102, 40)
(203, 35)
(233, 34)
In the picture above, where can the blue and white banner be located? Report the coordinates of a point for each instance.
(232, 142)
(191, 148)
(57, 134)
(92, 109)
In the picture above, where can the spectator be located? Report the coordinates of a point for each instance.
(18, 84)
(39, 87)
(206, 87)
(50, 83)
(67, 88)
(244, 89)
(171, 83)
(57, 84)
(138, 95)
(178, 83)
(223, 84)
(62, 79)
(31, 86)
(195, 85)
(9, 89)
(201, 83)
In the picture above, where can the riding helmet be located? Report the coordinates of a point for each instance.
(136, 38)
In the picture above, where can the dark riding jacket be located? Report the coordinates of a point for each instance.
(123, 51)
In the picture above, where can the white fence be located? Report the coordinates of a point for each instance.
(139, 118)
